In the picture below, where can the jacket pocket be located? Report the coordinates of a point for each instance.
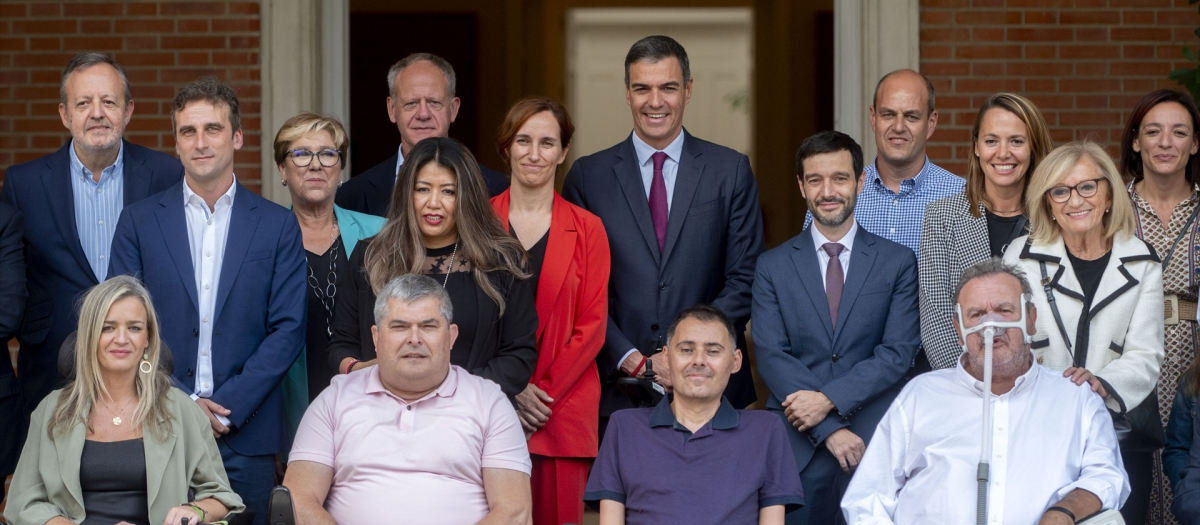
(258, 255)
(37, 322)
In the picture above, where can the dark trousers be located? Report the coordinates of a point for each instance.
(1140, 468)
(251, 477)
(824, 483)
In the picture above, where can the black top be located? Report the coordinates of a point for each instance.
(113, 478)
(537, 254)
(1089, 274)
(1002, 230)
(325, 276)
(500, 348)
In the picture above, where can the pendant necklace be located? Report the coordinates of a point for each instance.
(116, 420)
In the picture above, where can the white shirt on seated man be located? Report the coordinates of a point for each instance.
(1054, 451)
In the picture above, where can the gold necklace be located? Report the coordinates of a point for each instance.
(116, 420)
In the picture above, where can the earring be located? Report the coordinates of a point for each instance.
(145, 367)
(284, 183)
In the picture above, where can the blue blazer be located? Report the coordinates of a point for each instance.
(58, 272)
(714, 235)
(860, 366)
(1187, 493)
(260, 311)
(370, 192)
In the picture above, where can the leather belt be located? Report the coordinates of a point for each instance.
(1176, 309)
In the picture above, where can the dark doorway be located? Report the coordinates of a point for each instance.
(378, 40)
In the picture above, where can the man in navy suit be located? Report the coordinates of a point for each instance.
(683, 222)
(1187, 493)
(226, 269)
(71, 200)
(421, 102)
(835, 326)
(12, 296)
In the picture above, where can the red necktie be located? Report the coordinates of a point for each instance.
(658, 199)
(834, 280)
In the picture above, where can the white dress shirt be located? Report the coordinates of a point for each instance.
(1050, 437)
(847, 242)
(399, 161)
(207, 232)
(670, 168)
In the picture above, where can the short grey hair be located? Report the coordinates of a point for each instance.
(412, 287)
(83, 61)
(993, 266)
(441, 63)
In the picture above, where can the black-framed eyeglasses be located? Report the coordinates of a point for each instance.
(1085, 189)
(302, 157)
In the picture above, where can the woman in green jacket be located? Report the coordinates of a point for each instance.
(119, 444)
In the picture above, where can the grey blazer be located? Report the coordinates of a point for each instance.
(951, 241)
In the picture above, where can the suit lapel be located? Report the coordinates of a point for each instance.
(1122, 254)
(70, 451)
(862, 259)
(560, 251)
(687, 179)
(158, 454)
(629, 175)
(804, 257)
(57, 183)
(243, 222)
(137, 177)
(173, 224)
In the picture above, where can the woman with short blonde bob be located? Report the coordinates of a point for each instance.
(1100, 313)
(133, 445)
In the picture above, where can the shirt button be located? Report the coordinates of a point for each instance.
(204, 353)
(210, 222)
(101, 257)
(101, 222)
(207, 286)
(895, 201)
(206, 386)
(205, 319)
(409, 407)
(208, 254)
(893, 230)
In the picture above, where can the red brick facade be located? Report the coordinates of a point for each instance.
(162, 45)
(1085, 63)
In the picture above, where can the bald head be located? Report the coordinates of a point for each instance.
(909, 79)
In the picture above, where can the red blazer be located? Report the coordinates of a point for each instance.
(572, 306)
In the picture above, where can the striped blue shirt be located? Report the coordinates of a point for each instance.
(897, 217)
(97, 207)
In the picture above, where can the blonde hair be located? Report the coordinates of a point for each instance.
(1119, 220)
(1040, 144)
(82, 393)
(308, 122)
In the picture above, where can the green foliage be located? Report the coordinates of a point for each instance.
(1189, 77)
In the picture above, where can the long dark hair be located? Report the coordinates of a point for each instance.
(1131, 161)
(398, 248)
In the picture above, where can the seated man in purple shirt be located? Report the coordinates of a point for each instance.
(414, 438)
(694, 458)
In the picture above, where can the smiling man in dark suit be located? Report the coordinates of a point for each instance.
(421, 102)
(835, 326)
(683, 222)
(71, 200)
(226, 269)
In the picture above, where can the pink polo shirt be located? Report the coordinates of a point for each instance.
(421, 462)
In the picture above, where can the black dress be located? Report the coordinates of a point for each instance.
(325, 278)
(502, 348)
(113, 478)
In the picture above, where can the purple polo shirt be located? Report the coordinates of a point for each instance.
(737, 463)
(422, 460)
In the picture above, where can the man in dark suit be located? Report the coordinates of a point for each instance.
(12, 296)
(226, 269)
(71, 200)
(1187, 492)
(683, 222)
(835, 326)
(421, 102)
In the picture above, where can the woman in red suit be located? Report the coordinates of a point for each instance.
(568, 254)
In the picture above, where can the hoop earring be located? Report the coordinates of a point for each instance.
(145, 367)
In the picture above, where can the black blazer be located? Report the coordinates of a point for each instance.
(371, 191)
(714, 236)
(57, 269)
(505, 354)
(12, 297)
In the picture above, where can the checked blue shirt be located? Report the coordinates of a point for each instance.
(897, 217)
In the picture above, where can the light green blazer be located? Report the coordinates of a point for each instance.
(46, 483)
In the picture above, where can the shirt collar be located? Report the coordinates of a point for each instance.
(725, 418)
(188, 194)
(77, 166)
(917, 180)
(447, 389)
(976, 386)
(399, 160)
(644, 151)
(847, 241)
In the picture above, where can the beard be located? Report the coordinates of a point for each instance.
(833, 219)
(1008, 361)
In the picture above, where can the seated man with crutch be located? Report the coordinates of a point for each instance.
(1049, 454)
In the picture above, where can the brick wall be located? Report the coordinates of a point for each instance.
(1085, 63)
(162, 45)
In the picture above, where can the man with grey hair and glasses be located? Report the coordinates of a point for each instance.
(1053, 458)
(71, 200)
(412, 436)
(422, 103)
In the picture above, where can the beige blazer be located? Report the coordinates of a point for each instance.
(46, 483)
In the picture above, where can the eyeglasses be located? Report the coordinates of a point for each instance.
(1085, 189)
(302, 157)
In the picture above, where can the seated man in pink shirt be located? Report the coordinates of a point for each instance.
(414, 438)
